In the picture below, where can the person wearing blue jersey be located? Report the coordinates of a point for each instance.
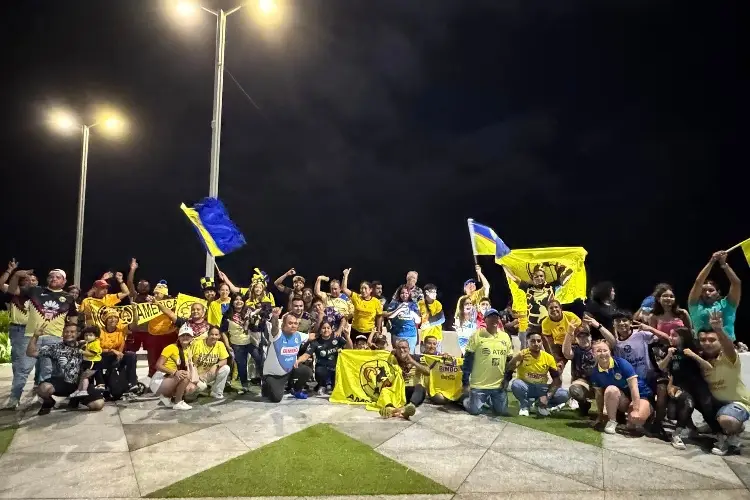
(405, 318)
(281, 363)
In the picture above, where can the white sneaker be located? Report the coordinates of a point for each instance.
(677, 442)
(722, 446)
(166, 401)
(182, 406)
(77, 394)
(611, 427)
(572, 404)
(322, 391)
(523, 412)
(217, 396)
(12, 404)
(542, 411)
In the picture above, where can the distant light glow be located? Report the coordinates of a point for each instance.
(186, 9)
(267, 7)
(112, 123)
(63, 120)
(268, 13)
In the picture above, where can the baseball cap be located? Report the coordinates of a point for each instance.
(60, 272)
(362, 337)
(186, 329)
(490, 312)
(101, 284)
(469, 281)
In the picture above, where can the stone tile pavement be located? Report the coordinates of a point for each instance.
(131, 450)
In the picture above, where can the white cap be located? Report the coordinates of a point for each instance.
(186, 329)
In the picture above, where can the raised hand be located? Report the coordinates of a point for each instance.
(291, 272)
(119, 277)
(717, 320)
(347, 271)
(133, 264)
(107, 275)
(276, 312)
(12, 265)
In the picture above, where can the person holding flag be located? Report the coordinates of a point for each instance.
(705, 297)
(484, 241)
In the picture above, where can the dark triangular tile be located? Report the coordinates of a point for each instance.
(142, 435)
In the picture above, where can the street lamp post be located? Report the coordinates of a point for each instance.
(66, 122)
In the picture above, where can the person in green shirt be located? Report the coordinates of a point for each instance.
(488, 351)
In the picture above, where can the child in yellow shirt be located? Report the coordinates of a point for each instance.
(92, 356)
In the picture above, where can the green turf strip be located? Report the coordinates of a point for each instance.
(6, 436)
(565, 423)
(315, 461)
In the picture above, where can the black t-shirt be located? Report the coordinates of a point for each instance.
(583, 362)
(326, 351)
(685, 371)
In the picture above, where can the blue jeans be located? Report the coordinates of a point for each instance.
(22, 364)
(478, 397)
(241, 355)
(735, 411)
(523, 391)
(44, 365)
(411, 340)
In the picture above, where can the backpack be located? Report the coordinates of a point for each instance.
(117, 382)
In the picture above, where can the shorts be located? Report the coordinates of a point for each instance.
(65, 389)
(734, 410)
(651, 398)
(90, 365)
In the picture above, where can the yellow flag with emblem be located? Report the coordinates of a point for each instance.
(445, 376)
(523, 263)
(146, 311)
(184, 303)
(371, 378)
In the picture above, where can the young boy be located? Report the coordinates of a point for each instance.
(92, 356)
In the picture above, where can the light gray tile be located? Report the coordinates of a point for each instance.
(480, 430)
(75, 439)
(680, 495)
(693, 459)
(260, 433)
(583, 465)
(518, 436)
(485, 496)
(155, 470)
(67, 475)
(374, 433)
(417, 437)
(214, 438)
(143, 435)
(625, 472)
(496, 473)
(559, 495)
(62, 418)
(741, 470)
(164, 415)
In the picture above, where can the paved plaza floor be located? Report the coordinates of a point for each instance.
(131, 450)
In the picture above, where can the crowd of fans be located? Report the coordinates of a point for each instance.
(641, 369)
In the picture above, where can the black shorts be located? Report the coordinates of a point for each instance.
(65, 389)
(90, 365)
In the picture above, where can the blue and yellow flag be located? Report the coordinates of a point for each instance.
(568, 288)
(484, 240)
(215, 229)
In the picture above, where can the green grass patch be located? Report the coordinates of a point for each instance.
(565, 423)
(6, 436)
(315, 461)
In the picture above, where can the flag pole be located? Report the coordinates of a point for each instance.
(469, 223)
(738, 245)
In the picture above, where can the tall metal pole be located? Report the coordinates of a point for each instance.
(81, 207)
(213, 185)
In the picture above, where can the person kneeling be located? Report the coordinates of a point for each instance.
(210, 358)
(180, 376)
(282, 364)
(618, 388)
(66, 359)
(534, 365)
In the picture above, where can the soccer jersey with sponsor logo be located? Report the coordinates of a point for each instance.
(18, 310)
(634, 350)
(535, 369)
(50, 307)
(282, 354)
(205, 356)
(491, 351)
(326, 351)
(365, 312)
(558, 329)
(617, 374)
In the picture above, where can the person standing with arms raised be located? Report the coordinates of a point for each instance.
(368, 310)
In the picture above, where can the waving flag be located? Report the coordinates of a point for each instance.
(215, 229)
(484, 240)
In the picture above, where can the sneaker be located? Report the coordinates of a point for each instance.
(182, 406)
(721, 447)
(217, 396)
(409, 411)
(329, 389)
(677, 442)
(611, 427)
(543, 411)
(734, 442)
(299, 395)
(321, 391)
(80, 394)
(12, 404)
(584, 408)
(166, 401)
(387, 411)
(246, 387)
(573, 404)
(523, 412)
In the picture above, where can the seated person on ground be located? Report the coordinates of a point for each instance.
(210, 358)
(112, 339)
(66, 358)
(534, 367)
(584, 361)
(411, 370)
(180, 376)
(325, 349)
(618, 388)
(430, 347)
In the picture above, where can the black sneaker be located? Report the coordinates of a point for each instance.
(583, 409)
(44, 410)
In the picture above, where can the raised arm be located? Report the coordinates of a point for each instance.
(279, 283)
(695, 292)
(12, 265)
(567, 347)
(514, 362)
(317, 291)
(345, 282)
(124, 290)
(563, 274)
(131, 277)
(164, 309)
(727, 346)
(735, 285)
(483, 280)
(232, 287)
(13, 288)
(609, 338)
(510, 274)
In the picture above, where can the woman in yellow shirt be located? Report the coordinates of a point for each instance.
(368, 310)
(534, 366)
(180, 376)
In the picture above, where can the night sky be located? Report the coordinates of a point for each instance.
(619, 126)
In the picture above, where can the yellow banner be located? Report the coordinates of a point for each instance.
(184, 303)
(445, 377)
(369, 378)
(146, 312)
(522, 263)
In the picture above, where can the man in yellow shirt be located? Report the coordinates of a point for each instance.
(534, 367)
(484, 367)
(554, 328)
(724, 378)
(472, 292)
(433, 317)
(98, 297)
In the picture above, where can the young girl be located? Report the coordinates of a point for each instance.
(92, 356)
